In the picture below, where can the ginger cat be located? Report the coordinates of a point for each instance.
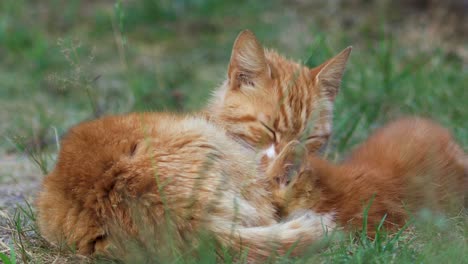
(409, 164)
(268, 101)
(190, 173)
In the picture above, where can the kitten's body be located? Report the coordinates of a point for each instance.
(189, 172)
(409, 164)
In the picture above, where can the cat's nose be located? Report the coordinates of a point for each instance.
(271, 152)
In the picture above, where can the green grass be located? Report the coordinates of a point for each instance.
(62, 62)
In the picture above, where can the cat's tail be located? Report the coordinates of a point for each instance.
(290, 237)
(256, 244)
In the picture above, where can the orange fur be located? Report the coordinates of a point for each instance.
(409, 164)
(268, 100)
(171, 166)
(118, 174)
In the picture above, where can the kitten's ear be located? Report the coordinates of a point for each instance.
(248, 60)
(313, 172)
(307, 181)
(329, 74)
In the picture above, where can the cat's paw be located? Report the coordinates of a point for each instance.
(314, 220)
(282, 168)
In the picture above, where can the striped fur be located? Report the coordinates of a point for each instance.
(270, 100)
(141, 175)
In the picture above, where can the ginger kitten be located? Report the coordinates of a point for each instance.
(189, 173)
(409, 164)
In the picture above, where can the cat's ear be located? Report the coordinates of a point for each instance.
(248, 62)
(328, 75)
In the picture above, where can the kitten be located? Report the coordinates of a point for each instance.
(143, 174)
(409, 164)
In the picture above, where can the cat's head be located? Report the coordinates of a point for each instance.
(268, 100)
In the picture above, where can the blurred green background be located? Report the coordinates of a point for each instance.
(62, 62)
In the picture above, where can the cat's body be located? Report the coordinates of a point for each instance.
(409, 164)
(165, 165)
(189, 172)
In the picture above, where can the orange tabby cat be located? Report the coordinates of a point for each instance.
(267, 100)
(188, 173)
(409, 164)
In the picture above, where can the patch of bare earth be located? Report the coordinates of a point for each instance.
(19, 182)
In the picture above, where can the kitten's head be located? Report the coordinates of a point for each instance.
(268, 100)
(305, 191)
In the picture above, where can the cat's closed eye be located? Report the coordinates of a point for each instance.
(270, 130)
